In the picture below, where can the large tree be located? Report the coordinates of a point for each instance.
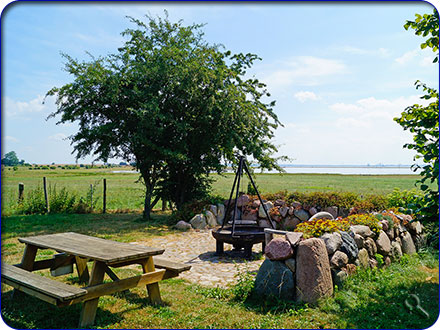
(423, 122)
(10, 159)
(174, 104)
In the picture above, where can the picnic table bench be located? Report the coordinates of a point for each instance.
(78, 249)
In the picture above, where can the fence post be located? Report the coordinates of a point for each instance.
(91, 196)
(104, 198)
(164, 204)
(45, 194)
(20, 192)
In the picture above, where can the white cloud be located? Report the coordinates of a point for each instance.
(11, 139)
(382, 52)
(303, 71)
(58, 137)
(416, 56)
(304, 96)
(407, 57)
(14, 109)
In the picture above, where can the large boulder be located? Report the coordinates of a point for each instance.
(383, 244)
(302, 215)
(349, 246)
(291, 263)
(243, 200)
(408, 246)
(290, 223)
(213, 209)
(313, 276)
(414, 227)
(362, 230)
(396, 250)
(198, 221)
(274, 279)
(370, 246)
(211, 220)
(283, 211)
(220, 213)
(338, 260)
(390, 233)
(278, 249)
(363, 258)
(261, 212)
(183, 225)
(321, 215)
(294, 238)
(333, 242)
(313, 211)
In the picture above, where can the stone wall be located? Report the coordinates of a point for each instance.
(308, 269)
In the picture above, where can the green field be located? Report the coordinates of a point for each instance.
(124, 192)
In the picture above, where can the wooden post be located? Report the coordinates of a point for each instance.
(91, 196)
(20, 192)
(104, 198)
(164, 204)
(45, 194)
(153, 289)
(88, 311)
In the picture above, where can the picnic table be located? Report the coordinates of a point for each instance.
(78, 249)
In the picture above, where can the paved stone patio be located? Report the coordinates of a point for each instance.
(197, 248)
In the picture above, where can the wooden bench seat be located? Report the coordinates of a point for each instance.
(173, 269)
(44, 288)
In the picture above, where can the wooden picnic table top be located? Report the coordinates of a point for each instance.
(90, 247)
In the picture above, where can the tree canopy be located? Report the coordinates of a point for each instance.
(423, 122)
(172, 103)
(10, 159)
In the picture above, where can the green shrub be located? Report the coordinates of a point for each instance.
(324, 199)
(379, 202)
(244, 285)
(366, 220)
(61, 201)
(318, 227)
(403, 198)
(33, 203)
(379, 259)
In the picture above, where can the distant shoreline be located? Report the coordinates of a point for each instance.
(345, 166)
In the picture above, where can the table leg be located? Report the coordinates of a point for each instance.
(153, 289)
(27, 262)
(83, 271)
(88, 311)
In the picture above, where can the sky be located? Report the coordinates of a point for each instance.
(339, 72)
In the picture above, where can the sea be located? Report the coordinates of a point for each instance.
(335, 169)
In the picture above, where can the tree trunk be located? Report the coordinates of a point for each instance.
(147, 205)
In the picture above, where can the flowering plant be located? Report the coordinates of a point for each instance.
(318, 227)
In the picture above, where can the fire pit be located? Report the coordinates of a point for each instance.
(242, 234)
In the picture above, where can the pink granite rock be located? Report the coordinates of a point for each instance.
(278, 249)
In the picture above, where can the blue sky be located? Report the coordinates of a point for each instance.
(339, 72)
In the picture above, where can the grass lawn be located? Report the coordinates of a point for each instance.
(125, 193)
(369, 299)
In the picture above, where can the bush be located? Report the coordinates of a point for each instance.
(33, 203)
(62, 201)
(403, 198)
(318, 227)
(324, 199)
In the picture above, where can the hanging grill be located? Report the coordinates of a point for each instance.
(242, 234)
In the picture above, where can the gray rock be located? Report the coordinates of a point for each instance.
(291, 263)
(396, 250)
(183, 225)
(198, 221)
(383, 244)
(264, 224)
(243, 200)
(294, 238)
(296, 205)
(332, 241)
(342, 212)
(313, 211)
(363, 258)
(370, 246)
(362, 230)
(414, 227)
(213, 209)
(338, 260)
(385, 225)
(250, 215)
(302, 215)
(211, 220)
(387, 261)
(339, 276)
(283, 211)
(373, 263)
(261, 212)
(322, 215)
(290, 223)
(313, 276)
(278, 249)
(275, 279)
(408, 246)
(220, 213)
(359, 241)
(291, 210)
(390, 233)
(333, 210)
(349, 246)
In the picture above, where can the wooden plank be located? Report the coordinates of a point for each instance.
(153, 289)
(111, 274)
(92, 247)
(121, 285)
(31, 292)
(41, 284)
(82, 269)
(88, 311)
(171, 265)
(27, 262)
